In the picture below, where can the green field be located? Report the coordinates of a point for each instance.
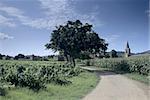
(134, 67)
(55, 83)
(55, 80)
(80, 86)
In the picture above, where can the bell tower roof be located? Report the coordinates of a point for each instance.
(127, 50)
(127, 46)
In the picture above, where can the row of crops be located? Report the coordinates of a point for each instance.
(35, 75)
(138, 64)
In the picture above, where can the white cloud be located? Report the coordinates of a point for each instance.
(15, 13)
(148, 12)
(56, 12)
(111, 38)
(60, 11)
(4, 21)
(4, 36)
(12, 11)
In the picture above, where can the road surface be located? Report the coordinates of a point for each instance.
(117, 87)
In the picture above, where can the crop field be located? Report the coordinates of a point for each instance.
(35, 75)
(54, 79)
(138, 64)
(42, 76)
(134, 67)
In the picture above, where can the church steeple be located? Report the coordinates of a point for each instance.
(127, 46)
(127, 50)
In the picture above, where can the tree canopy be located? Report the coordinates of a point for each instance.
(113, 54)
(73, 38)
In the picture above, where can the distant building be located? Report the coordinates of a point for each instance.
(7, 57)
(127, 50)
(30, 57)
(59, 57)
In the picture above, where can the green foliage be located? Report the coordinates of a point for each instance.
(36, 75)
(139, 64)
(61, 58)
(113, 54)
(2, 91)
(74, 38)
(84, 55)
(89, 62)
(138, 77)
(81, 85)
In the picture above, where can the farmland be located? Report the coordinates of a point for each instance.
(58, 80)
(52, 80)
(114, 85)
(134, 67)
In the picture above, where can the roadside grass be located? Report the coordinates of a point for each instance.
(80, 86)
(137, 77)
(134, 67)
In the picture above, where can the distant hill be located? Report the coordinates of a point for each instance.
(145, 52)
(121, 53)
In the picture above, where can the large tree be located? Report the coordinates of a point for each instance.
(73, 38)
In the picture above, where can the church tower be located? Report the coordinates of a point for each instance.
(127, 50)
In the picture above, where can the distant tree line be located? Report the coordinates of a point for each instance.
(26, 57)
(84, 55)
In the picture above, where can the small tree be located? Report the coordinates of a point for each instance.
(74, 38)
(113, 54)
(19, 56)
(1, 56)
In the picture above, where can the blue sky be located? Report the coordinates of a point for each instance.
(25, 25)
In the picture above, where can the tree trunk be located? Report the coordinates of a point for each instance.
(74, 64)
(72, 60)
(66, 58)
(104, 52)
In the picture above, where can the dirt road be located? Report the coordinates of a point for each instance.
(117, 87)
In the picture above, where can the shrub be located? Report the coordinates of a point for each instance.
(78, 60)
(87, 63)
(2, 91)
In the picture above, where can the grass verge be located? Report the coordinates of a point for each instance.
(135, 76)
(80, 86)
(141, 78)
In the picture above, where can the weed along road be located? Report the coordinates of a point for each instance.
(117, 87)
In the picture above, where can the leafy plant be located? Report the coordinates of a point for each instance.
(36, 75)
